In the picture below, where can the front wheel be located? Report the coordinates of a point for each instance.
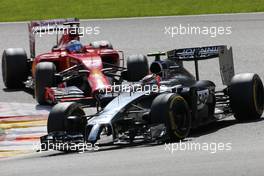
(44, 77)
(172, 110)
(246, 96)
(65, 117)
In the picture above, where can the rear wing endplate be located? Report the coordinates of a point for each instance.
(38, 26)
(224, 54)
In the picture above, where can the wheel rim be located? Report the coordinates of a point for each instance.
(179, 117)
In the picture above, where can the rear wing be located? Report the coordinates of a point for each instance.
(224, 54)
(35, 27)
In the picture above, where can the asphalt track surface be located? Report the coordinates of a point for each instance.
(143, 36)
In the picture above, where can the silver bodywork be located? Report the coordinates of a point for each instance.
(111, 113)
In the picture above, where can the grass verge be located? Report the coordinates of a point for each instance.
(22, 10)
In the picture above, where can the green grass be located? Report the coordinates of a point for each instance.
(21, 10)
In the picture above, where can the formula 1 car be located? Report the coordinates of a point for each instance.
(70, 71)
(170, 103)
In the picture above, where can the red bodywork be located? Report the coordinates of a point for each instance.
(91, 59)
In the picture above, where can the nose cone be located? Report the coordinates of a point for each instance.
(98, 81)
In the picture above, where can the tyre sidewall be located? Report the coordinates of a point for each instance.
(15, 69)
(137, 67)
(44, 77)
(243, 96)
(162, 112)
(57, 120)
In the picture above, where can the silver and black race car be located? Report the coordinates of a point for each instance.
(163, 105)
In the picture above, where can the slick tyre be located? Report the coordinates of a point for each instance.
(246, 96)
(62, 115)
(44, 77)
(15, 69)
(137, 67)
(172, 110)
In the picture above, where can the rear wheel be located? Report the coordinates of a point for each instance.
(247, 96)
(172, 110)
(15, 68)
(44, 77)
(64, 117)
(137, 67)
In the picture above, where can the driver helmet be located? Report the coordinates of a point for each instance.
(151, 79)
(74, 46)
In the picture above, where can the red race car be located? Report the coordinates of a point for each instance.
(70, 71)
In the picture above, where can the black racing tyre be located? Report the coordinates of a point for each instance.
(15, 68)
(102, 44)
(137, 67)
(172, 110)
(57, 120)
(44, 77)
(246, 96)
